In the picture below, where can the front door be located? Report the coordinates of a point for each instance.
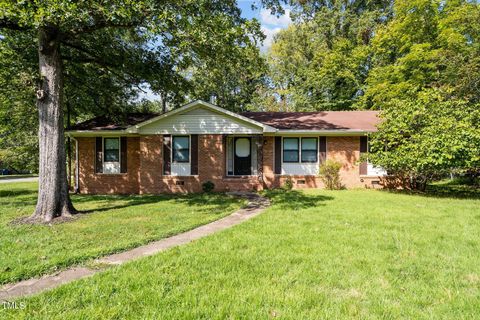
(242, 161)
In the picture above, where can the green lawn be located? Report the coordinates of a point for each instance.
(359, 254)
(110, 224)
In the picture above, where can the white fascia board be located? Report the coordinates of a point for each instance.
(98, 133)
(194, 104)
(336, 132)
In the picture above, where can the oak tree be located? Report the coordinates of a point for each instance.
(122, 37)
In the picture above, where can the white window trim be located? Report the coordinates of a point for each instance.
(189, 148)
(189, 163)
(300, 149)
(119, 156)
(369, 163)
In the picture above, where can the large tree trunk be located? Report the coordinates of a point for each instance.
(53, 198)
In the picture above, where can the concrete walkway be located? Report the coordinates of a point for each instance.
(256, 204)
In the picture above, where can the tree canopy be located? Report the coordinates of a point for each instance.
(428, 44)
(115, 47)
(322, 60)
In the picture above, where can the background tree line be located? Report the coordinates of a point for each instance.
(418, 61)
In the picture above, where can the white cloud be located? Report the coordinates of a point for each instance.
(269, 33)
(272, 24)
(266, 18)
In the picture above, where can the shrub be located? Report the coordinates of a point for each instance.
(288, 185)
(330, 174)
(208, 186)
(421, 139)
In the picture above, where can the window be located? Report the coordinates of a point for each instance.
(290, 150)
(181, 149)
(111, 149)
(309, 149)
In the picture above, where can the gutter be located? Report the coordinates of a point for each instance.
(76, 187)
(94, 133)
(337, 132)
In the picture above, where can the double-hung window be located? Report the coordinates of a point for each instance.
(181, 149)
(309, 149)
(290, 150)
(111, 155)
(300, 150)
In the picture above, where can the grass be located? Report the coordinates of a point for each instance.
(360, 254)
(112, 224)
(458, 187)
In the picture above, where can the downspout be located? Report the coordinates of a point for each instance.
(69, 149)
(76, 188)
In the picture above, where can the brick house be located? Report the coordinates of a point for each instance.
(179, 150)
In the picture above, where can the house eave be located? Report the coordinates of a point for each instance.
(99, 133)
(333, 132)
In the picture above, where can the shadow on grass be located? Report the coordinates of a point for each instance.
(295, 199)
(210, 199)
(16, 193)
(18, 197)
(196, 200)
(200, 202)
(445, 190)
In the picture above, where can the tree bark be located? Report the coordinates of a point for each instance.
(53, 198)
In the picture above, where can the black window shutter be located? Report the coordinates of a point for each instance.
(123, 154)
(167, 154)
(363, 150)
(278, 155)
(194, 154)
(322, 149)
(98, 155)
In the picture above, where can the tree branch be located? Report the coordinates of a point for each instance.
(102, 24)
(91, 58)
(8, 24)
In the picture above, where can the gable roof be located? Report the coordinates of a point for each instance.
(269, 122)
(132, 122)
(318, 121)
(200, 103)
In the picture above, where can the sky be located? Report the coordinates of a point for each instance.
(271, 24)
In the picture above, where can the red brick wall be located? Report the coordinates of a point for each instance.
(346, 150)
(270, 179)
(151, 163)
(212, 166)
(100, 183)
(145, 168)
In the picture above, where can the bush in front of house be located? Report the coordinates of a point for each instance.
(208, 186)
(425, 138)
(330, 174)
(288, 184)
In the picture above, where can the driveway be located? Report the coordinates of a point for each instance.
(19, 179)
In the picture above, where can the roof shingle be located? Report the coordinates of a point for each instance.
(321, 120)
(107, 123)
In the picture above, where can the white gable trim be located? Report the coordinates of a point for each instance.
(206, 105)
